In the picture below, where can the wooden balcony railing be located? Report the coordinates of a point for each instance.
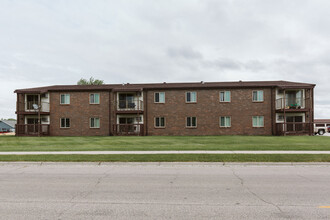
(128, 129)
(130, 105)
(33, 106)
(32, 130)
(294, 128)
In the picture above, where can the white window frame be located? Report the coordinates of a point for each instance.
(65, 94)
(225, 117)
(90, 100)
(190, 97)
(191, 126)
(159, 97)
(224, 96)
(258, 122)
(160, 126)
(258, 98)
(65, 122)
(90, 122)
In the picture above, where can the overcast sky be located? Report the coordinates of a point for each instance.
(46, 42)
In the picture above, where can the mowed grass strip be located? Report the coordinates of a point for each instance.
(171, 158)
(159, 143)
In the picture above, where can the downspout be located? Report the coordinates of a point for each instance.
(285, 125)
(272, 109)
(110, 113)
(17, 115)
(39, 118)
(146, 112)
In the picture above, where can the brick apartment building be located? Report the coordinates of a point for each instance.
(204, 108)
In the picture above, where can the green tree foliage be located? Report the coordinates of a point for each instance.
(91, 81)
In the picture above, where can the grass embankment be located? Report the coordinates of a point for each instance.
(164, 143)
(171, 158)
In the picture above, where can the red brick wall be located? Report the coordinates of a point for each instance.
(79, 111)
(208, 109)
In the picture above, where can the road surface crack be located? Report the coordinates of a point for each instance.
(253, 193)
(83, 194)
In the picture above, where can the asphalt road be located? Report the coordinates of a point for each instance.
(163, 191)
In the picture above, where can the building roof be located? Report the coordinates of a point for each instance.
(321, 121)
(11, 123)
(186, 85)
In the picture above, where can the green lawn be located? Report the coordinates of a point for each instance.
(164, 143)
(172, 158)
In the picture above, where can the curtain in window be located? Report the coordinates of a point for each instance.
(255, 121)
(227, 121)
(227, 96)
(261, 95)
(193, 97)
(162, 97)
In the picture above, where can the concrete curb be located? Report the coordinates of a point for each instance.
(167, 163)
(155, 152)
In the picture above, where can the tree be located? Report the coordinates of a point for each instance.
(91, 81)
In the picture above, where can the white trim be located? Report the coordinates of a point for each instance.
(61, 98)
(94, 98)
(190, 97)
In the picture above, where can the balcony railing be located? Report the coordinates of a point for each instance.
(32, 130)
(298, 103)
(294, 128)
(33, 106)
(130, 105)
(128, 129)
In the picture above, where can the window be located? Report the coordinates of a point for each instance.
(95, 122)
(159, 97)
(65, 99)
(258, 121)
(225, 96)
(94, 98)
(160, 122)
(191, 122)
(225, 121)
(191, 97)
(44, 119)
(258, 96)
(65, 122)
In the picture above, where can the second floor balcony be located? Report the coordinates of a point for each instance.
(291, 104)
(35, 106)
(129, 102)
(130, 105)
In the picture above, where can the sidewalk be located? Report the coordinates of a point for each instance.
(159, 152)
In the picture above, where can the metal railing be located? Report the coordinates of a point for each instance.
(298, 103)
(128, 129)
(32, 129)
(130, 105)
(34, 106)
(293, 128)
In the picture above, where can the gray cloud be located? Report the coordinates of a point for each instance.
(47, 42)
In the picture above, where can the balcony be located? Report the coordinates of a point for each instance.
(294, 128)
(33, 106)
(32, 130)
(291, 104)
(130, 105)
(128, 129)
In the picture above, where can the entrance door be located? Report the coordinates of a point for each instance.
(126, 101)
(31, 100)
(292, 125)
(299, 125)
(32, 125)
(126, 125)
